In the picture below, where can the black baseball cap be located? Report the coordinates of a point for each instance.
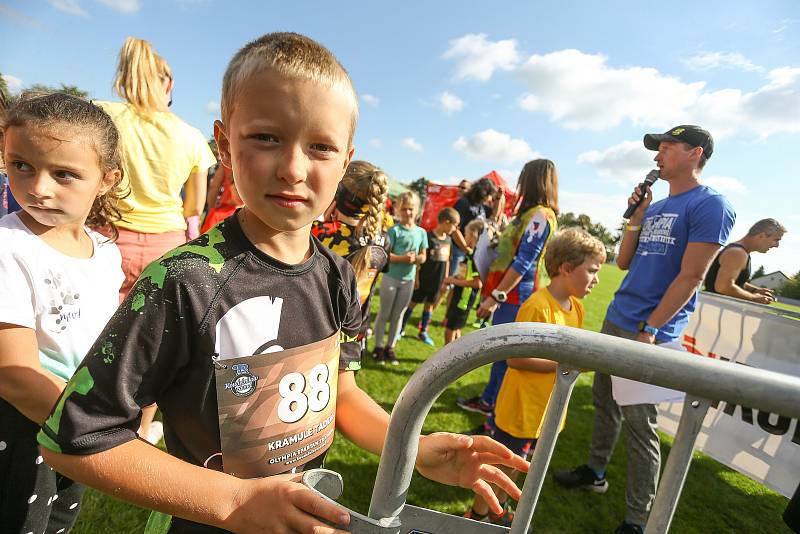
(686, 133)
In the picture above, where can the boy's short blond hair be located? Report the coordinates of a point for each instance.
(573, 246)
(291, 55)
(475, 226)
(407, 197)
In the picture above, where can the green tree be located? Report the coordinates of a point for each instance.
(759, 273)
(598, 230)
(791, 289)
(420, 187)
(73, 90)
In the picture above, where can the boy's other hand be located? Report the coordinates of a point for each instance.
(412, 257)
(488, 305)
(282, 504)
(469, 462)
(644, 337)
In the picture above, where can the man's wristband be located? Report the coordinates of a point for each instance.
(633, 227)
(644, 327)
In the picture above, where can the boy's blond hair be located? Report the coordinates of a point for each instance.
(475, 226)
(408, 197)
(292, 55)
(573, 246)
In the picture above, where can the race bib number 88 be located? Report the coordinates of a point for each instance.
(277, 410)
(294, 402)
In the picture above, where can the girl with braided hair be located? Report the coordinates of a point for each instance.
(355, 228)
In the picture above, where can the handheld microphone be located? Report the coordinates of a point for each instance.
(649, 180)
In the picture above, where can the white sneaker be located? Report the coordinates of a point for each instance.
(155, 432)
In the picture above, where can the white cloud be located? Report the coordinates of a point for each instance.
(721, 60)
(725, 184)
(491, 145)
(603, 208)
(625, 164)
(71, 7)
(212, 107)
(582, 91)
(14, 84)
(411, 144)
(10, 13)
(509, 175)
(370, 100)
(773, 108)
(450, 103)
(126, 7)
(477, 58)
(375, 142)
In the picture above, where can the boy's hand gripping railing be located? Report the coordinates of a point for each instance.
(702, 378)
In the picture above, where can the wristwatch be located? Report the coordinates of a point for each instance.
(499, 296)
(644, 327)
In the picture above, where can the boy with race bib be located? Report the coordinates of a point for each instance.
(245, 337)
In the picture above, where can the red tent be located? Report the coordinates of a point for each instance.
(441, 196)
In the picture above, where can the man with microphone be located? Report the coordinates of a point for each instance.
(666, 248)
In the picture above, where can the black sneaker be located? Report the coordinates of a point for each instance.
(629, 528)
(378, 355)
(391, 357)
(475, 404)
(581, 477)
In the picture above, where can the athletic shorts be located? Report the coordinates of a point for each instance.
(519, 446)
(427, 294)
(456, 318)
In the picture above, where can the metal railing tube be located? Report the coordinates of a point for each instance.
(699, 376)
(677, 466)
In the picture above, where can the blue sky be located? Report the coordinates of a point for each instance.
(452, 90)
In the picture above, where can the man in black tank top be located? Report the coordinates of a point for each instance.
(730, 271)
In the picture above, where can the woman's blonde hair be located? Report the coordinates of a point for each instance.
(538, 185)
(60, 115)
(141, 74)
(572, 245)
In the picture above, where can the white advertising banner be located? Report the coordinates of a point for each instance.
(761, 445)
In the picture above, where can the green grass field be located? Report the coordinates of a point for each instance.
(715, 499)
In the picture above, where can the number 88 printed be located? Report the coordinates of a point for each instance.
(294, 402)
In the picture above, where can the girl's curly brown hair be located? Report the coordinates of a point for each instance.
(57, 112)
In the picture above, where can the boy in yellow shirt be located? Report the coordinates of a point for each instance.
(573, 259)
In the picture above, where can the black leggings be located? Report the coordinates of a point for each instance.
(33, 497)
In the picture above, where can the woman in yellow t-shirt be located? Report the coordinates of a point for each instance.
(161, 155)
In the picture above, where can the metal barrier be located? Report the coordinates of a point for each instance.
(703, 379)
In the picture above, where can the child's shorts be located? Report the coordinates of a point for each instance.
(456, 318)
(428, 294)
(519, 446)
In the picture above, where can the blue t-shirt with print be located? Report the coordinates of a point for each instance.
(700, 215)
(404, 240)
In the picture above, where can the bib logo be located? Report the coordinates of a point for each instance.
(245, 382)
